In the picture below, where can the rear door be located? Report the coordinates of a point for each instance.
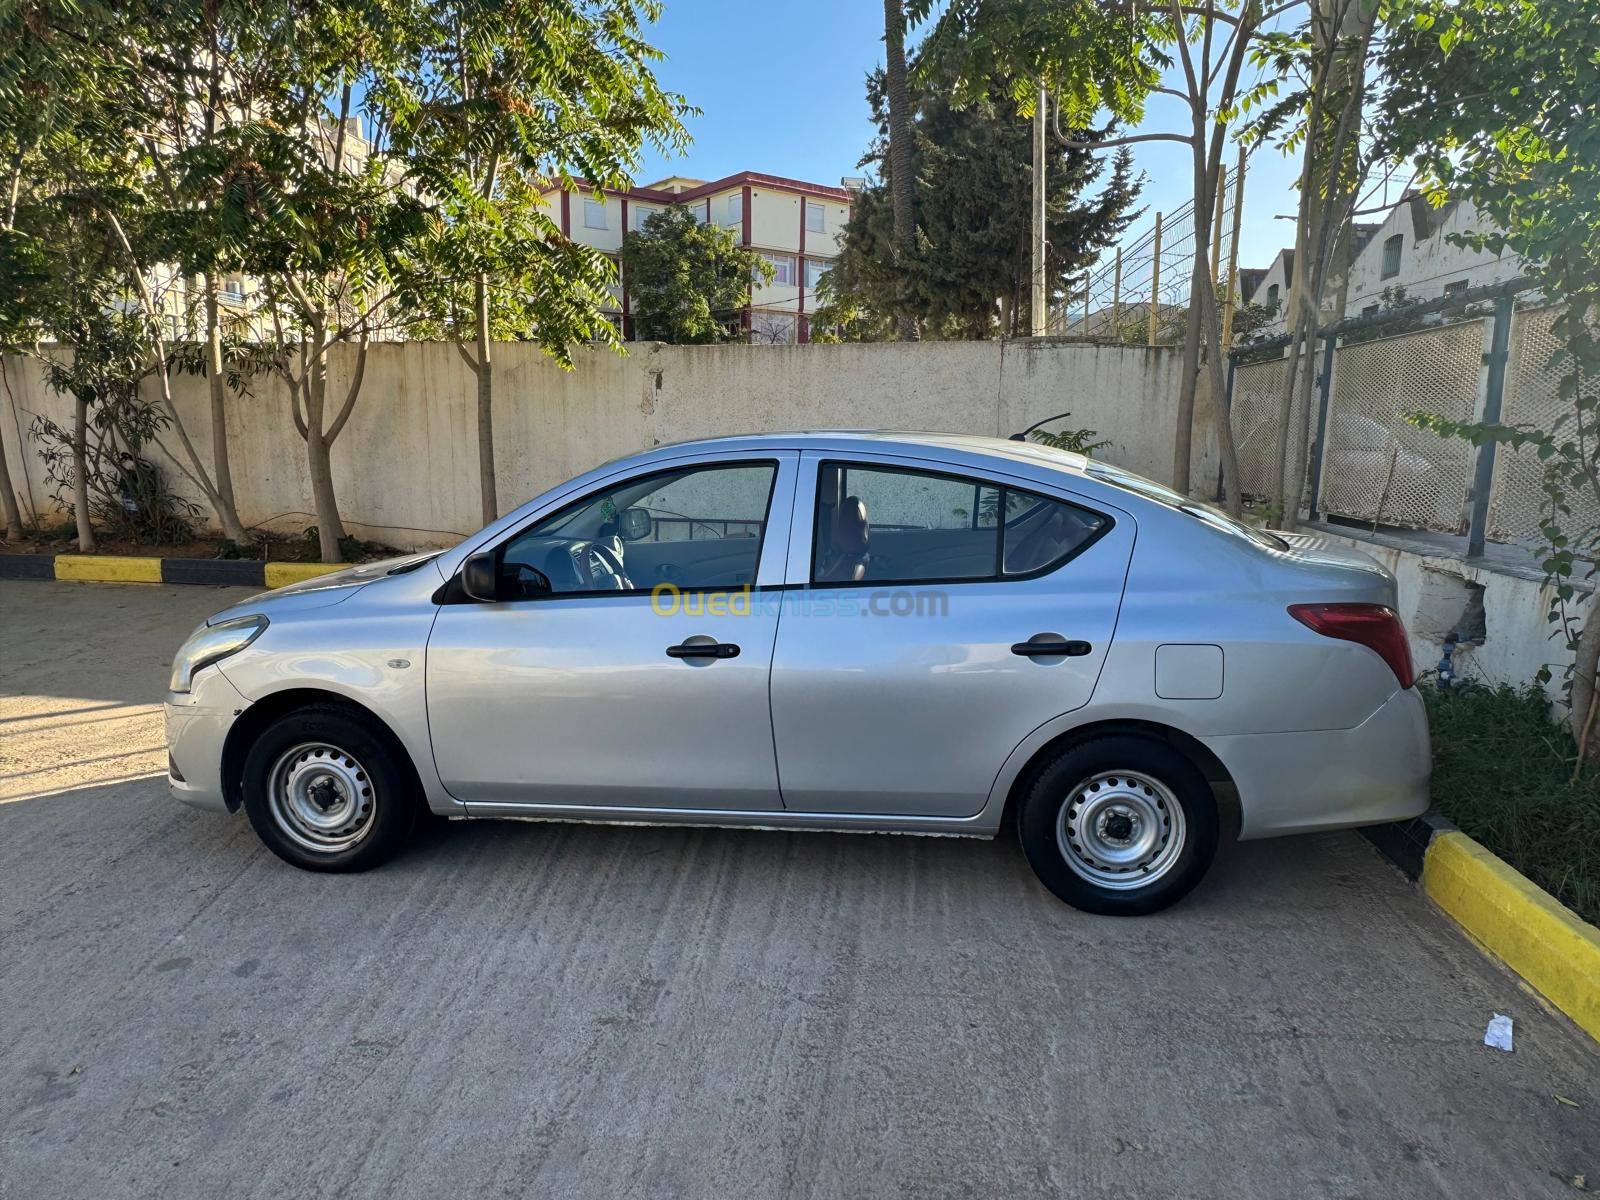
(980, 609)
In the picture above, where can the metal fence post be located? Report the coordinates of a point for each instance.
(1227, 410)
(1494, 359)
(1324, 398)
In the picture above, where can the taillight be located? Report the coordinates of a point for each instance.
(1375, 626)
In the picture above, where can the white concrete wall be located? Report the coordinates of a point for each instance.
(1518, 639)
(406, 466)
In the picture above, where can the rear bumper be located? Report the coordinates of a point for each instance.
(1332, 778)
(197, 726)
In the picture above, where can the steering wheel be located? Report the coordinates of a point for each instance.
(609, 562)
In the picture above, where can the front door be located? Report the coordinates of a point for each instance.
(947, 617)
(626, 665)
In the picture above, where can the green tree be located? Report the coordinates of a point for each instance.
(689, 282)
(530, 91)
(1499, 101)
(969, 275)
(897, 134)
(1095, 59)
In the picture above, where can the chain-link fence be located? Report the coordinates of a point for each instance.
(1373, 463)
(1138, 293)
(1517, 498)
(1382, 468)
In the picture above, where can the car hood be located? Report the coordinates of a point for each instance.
(323, 591)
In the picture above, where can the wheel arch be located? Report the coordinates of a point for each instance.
(260, 716)
(1223, 789)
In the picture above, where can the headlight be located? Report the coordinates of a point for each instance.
(205, 646)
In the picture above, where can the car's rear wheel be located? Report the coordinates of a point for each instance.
(328, 790)
(1120, 825)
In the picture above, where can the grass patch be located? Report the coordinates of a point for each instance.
(1502, 771)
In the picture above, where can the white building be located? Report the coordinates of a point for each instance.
(1410, 250)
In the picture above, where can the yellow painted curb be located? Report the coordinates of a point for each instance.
(282, 574)
(108, 568)
(1522, 925)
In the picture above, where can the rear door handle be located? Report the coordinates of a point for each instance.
(703, 650)
(1055, 648)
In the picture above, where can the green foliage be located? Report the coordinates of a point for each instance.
(1499, 101)
(529, 96)
(128, 495)
(1503, 772)
(972, 179)
(1079, 441)
(688, 282)
(1094, 57)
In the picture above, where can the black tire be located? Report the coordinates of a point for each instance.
(1157, 775)
(347, 758)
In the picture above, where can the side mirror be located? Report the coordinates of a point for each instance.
(479, 577)
(633, 524)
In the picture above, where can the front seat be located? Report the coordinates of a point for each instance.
(848, 555)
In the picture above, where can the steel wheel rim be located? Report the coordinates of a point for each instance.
(1120, 830)
(321, 797)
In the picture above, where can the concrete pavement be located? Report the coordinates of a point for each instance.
(544, 1010)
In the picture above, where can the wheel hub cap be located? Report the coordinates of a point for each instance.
(1120, 830)
(321, 797)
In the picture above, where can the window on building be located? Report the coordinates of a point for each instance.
(772, 328)
(816, 268)
(1370, 310)
(1456, 288)
(782, 269)
(735, 210)
(233, 290)
(1272, 296)
(816, 221)
(1392, 249)
(638, 215)
(594, 215)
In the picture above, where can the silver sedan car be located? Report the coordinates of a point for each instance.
(905, 633)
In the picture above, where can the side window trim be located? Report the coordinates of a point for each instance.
(451, 592)
(824, 461)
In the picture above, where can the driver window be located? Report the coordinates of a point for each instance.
(700, 527)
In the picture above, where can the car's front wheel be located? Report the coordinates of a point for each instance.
(327, 790)
(1120, 825)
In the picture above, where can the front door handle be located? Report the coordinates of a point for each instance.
(1054, 648)
(703, 650)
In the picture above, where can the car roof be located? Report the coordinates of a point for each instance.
(883, 441)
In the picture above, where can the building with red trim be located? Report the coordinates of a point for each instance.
(796, 225)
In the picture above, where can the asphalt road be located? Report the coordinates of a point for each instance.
(528, 1010)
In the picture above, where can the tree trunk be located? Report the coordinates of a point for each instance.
(1586, 659)
(900, 171)
(222, 472)
(1221, 418)
(13, 514)
(80, 473)
(1183, 430)
(330, 529)
(484, 370)
(319, 465)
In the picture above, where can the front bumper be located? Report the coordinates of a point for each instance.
(1332, 778)
(197, 727)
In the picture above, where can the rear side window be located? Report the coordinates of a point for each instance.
(890, 525)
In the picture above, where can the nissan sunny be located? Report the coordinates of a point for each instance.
(914, 633)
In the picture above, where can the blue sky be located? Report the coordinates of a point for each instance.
(781, 86)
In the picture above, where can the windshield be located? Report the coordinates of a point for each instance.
(1161, 494)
